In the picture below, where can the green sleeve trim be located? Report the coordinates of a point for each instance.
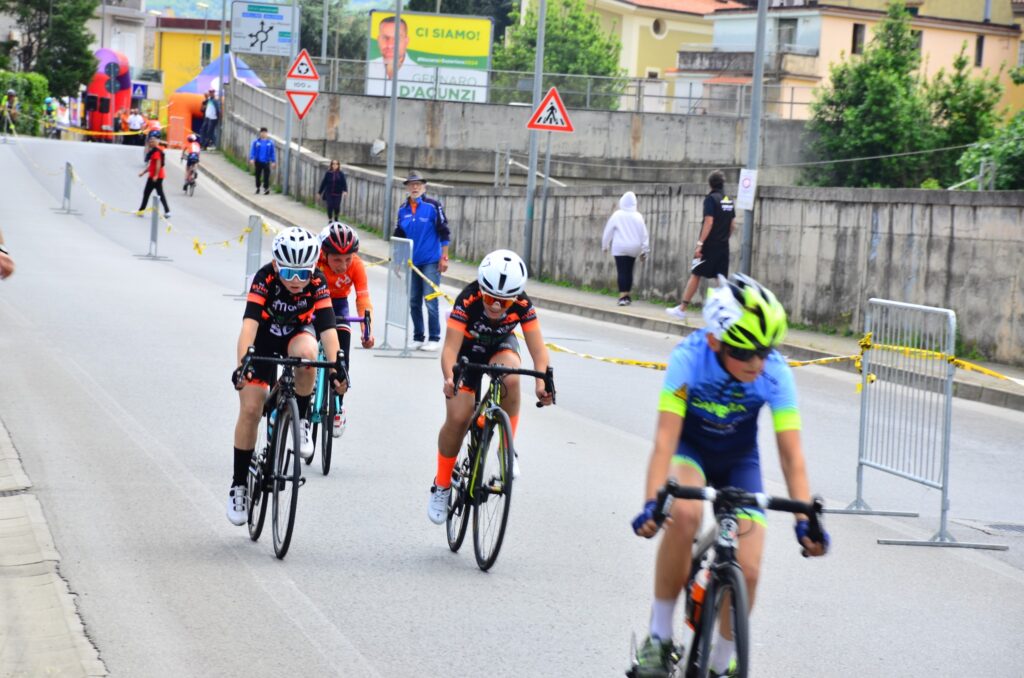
(787, 419)
(670, 402)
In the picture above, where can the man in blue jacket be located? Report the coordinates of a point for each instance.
(263, 154)
(422, 220)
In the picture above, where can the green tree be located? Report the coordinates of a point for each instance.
(54, 40)
(963, 111)
(498, 10)
(574, 45)
(1005, 148)
(873, 106)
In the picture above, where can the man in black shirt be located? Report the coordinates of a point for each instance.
(711, 258)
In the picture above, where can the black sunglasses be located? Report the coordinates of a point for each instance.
(747, 354)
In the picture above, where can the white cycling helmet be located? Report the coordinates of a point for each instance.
(296, 248)
(502, 274)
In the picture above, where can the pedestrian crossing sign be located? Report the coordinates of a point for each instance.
(551, 116)
(140, 91)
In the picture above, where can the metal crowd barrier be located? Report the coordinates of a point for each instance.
(396, 317)
(154, 233)
(907, 405)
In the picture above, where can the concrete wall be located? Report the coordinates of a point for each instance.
(608, 146)
(824, 251)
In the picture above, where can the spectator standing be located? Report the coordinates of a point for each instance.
(263, 155)
(135, 124)
(711, 258)
(333, 189)
(157, 170)
(211, 116)
(10, 109)
(6, 263)
(422, 220)
(625, 235)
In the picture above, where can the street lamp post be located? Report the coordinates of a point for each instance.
(103, 23)
(206, 28)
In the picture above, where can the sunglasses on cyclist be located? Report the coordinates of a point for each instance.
(289, 274)
(492, 300)
(747, 354)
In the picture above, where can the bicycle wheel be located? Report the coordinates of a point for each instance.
(492, 489)
(256, 485)
(327, 423)
(191, 188)
(728, 582)
(459, 505)
(287, 476)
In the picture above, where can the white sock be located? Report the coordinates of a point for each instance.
(721, 653)
(662, 611)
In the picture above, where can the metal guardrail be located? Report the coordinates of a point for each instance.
(907, 406)
(579, 92)
(396, 315)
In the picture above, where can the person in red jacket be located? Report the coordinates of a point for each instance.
(157, 170)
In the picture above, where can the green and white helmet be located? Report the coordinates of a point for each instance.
(743, 313)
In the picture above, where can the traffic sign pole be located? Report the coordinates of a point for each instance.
(296, 31)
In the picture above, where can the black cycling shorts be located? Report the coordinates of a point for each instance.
(271, 342)
(192, 159)
(478, 353)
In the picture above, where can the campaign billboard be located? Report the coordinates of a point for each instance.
(441, 56)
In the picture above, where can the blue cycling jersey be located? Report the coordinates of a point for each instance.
(720, 413)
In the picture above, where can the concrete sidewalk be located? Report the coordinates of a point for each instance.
(799, 345)
(41, 632)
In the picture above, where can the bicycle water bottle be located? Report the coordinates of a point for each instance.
(273, 419)
(698, 585)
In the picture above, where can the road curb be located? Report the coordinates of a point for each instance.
(44, 634)
(963, 390)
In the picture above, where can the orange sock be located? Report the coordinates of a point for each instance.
(515, 424)
(444, 471)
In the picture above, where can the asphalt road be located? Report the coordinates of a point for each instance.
(114, 385)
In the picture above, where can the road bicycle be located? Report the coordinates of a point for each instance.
(275, 470)
(482, 477)
(716, 580)
(191, 174)
(326, 403)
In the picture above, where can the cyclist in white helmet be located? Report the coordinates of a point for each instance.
(481, 327)
(288, 307)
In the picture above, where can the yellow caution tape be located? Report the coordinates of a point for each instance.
(438, 292)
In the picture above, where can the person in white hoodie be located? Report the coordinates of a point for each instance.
(626, 236)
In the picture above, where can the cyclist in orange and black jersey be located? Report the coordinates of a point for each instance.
(191, 153)
(481, 326)
(287, 308)
(343, 269)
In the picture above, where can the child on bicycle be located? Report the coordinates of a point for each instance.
(342, 269)
(288, 307)
(718, 378)
(481, 327)
(190, 153)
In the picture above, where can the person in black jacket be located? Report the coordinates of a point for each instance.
(333, 190)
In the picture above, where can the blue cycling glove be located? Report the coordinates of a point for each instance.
(647, 514)
(803, 527)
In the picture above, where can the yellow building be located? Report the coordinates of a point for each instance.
(182, 47)
(804, 41)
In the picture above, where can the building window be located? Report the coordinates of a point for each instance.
(979, 50)
(918, 39)
(787, 32)
(205, 53)
(658, 28)
(1020, 54)
(859, 31)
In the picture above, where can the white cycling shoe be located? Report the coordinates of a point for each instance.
(238, 505)
(437, 509)
(306, 441)
(340, 422)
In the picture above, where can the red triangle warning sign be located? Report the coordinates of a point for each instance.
(551, 116)
(303, 67)
(302, 102)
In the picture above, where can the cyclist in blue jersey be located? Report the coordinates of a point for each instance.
(718, 378)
